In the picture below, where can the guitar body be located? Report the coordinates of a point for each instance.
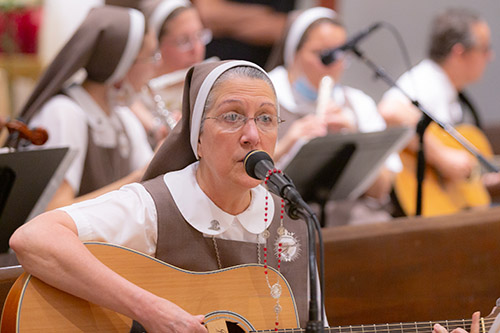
(240, 294)
(439, 196)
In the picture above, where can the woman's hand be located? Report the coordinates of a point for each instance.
(165, 316)
(336, 120)
(307, 128)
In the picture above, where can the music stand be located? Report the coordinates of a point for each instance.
(28, 181)
(343, 166)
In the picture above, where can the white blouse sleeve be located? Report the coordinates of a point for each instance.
(66, 124)
(126, 217)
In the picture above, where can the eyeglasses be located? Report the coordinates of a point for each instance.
(485, 49)
(328, 57)
(153, 59)
(232, 121)
(187, 43)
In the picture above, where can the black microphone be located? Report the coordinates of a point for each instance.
(258, 164)
(329, 56)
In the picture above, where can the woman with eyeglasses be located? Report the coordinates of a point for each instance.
(112, 48)
(181, 35)
(182, 40)
(340, 109)
(199, 211)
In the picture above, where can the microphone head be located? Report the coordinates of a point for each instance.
(330, 56)
(252, 159)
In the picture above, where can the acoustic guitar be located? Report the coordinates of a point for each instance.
(239, 295)
(441, 196)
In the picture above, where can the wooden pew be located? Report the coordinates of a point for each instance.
(413, 269)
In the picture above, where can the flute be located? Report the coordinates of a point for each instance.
(324, 95)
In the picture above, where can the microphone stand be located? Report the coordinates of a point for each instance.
(426, 119)
(296, 210)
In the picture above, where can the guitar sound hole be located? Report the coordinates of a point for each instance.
(137, 328)
(234, 327)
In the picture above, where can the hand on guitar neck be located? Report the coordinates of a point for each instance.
(474, 328)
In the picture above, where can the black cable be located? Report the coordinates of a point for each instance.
(402, 46)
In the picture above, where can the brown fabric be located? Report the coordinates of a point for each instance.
(136, 4)
(103, 165)
(97, 46)
(175, 153)
(148, 7)
(145, 6)
(183, 246)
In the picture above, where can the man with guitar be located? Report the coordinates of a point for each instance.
(459, 51)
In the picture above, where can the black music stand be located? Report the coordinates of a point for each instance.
(28, 180)
(343, 166)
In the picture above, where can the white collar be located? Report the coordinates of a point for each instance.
(203, 215)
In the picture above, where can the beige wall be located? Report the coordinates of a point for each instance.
(60, 20)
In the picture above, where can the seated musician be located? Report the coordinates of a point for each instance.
(458, 53)
(199, 211)
(298, 81)
(181, 39)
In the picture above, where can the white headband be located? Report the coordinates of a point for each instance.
(162, 11)
(299, 27)
(134, 44)
(201, 99)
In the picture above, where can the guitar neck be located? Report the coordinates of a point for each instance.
(416, 327)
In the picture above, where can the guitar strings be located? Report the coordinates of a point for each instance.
(396, 327)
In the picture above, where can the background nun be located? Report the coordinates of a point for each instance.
(112, 46)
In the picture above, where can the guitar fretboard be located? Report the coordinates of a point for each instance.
(416, 327)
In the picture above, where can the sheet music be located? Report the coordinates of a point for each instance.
(38, 174)
(370, 153)
(53, 185)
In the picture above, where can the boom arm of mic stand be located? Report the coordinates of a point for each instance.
(380, 73)
(302, 210)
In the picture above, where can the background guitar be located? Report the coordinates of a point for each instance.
(440, 196)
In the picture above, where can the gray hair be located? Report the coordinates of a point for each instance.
(234, 73)
(450, 28)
